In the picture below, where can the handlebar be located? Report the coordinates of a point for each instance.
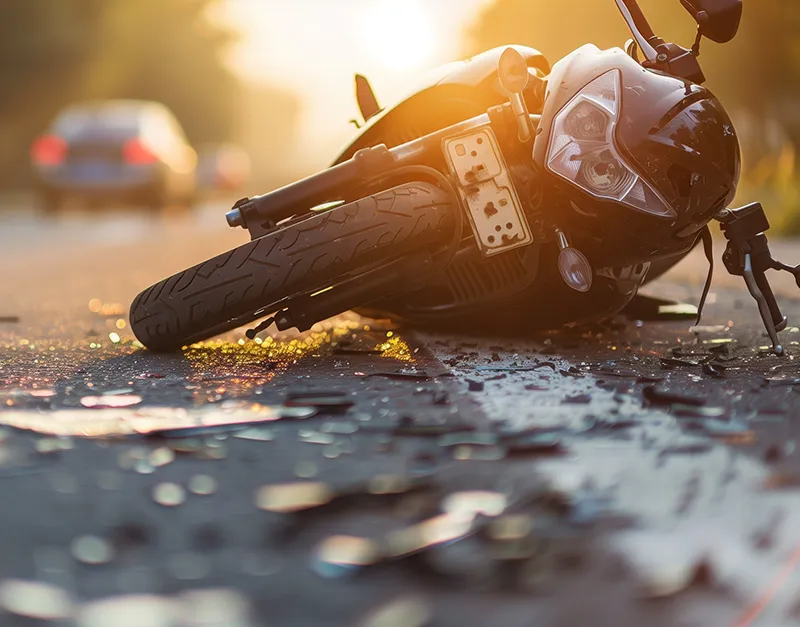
(640, 28)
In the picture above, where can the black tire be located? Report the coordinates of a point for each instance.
(227, 291)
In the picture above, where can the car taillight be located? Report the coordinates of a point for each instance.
(49, 150)
(136, 152)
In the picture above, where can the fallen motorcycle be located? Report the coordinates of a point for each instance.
(505, 190)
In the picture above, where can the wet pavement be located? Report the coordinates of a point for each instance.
(630, 473)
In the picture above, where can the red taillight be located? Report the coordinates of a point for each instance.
(136, 152)
(49, 150)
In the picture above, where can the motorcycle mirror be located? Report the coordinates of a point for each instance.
(718, 19)
(512, 71)
(513, 74)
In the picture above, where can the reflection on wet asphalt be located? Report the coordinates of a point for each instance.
(367, 474)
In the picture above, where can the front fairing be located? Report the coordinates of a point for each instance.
(648, 100)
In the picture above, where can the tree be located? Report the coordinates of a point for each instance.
(55, 52)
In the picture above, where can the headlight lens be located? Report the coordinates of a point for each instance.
(583, 151)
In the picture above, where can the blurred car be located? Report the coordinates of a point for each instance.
(223, 167)
(115, 150)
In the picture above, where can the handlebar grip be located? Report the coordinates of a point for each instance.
(639, 19)
(769, 296)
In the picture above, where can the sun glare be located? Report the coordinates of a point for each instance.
(399, 34)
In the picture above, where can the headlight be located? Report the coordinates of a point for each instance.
(583, 151)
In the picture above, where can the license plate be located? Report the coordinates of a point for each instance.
(94, 170)
(485, 187)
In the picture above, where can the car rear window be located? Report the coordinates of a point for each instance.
(100, 122)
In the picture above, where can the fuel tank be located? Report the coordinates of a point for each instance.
(446, 95)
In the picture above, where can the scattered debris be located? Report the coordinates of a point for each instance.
(314, 437)
(534, 444)
(578, 399)
(698, 448)
(781, 380)
(669, 363)
(343, 349)
(471, 504)
(35, 600)
(475, 386)
(412, 376)
(611, 424)
(169, 494)
(165, 422)
(479, 453)
(426, 426)
(539, 366)
(127, 611)
(325, 400)
(728, 432)
(694, 411)
(202, 485)
(111, 401)
(341, 555)
(434, 531)
(92, 550)
(259, 434)
(408, 611)
(195, 608)
(658, 395)
(472, 438)
(294, 497)
(714, 370)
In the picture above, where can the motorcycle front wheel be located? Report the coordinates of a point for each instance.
(302, 256)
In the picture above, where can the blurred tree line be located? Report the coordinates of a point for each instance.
(757, 75)
(55, 52)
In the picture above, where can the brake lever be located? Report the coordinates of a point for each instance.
(747, 254)
(766, 309)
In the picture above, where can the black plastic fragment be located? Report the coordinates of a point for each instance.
(714, 370)
(578, 399)
(475, 386)
(322, 399)
(658, 395)
(409, 376)
(534, 444)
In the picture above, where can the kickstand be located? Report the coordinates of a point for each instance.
(252, 333)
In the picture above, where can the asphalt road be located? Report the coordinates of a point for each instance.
(632, 473)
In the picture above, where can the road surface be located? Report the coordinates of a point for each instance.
(632, 473)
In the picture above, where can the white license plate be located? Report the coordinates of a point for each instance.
(493, 207)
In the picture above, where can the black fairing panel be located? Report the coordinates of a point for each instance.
(693, 161)
(449, 94)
